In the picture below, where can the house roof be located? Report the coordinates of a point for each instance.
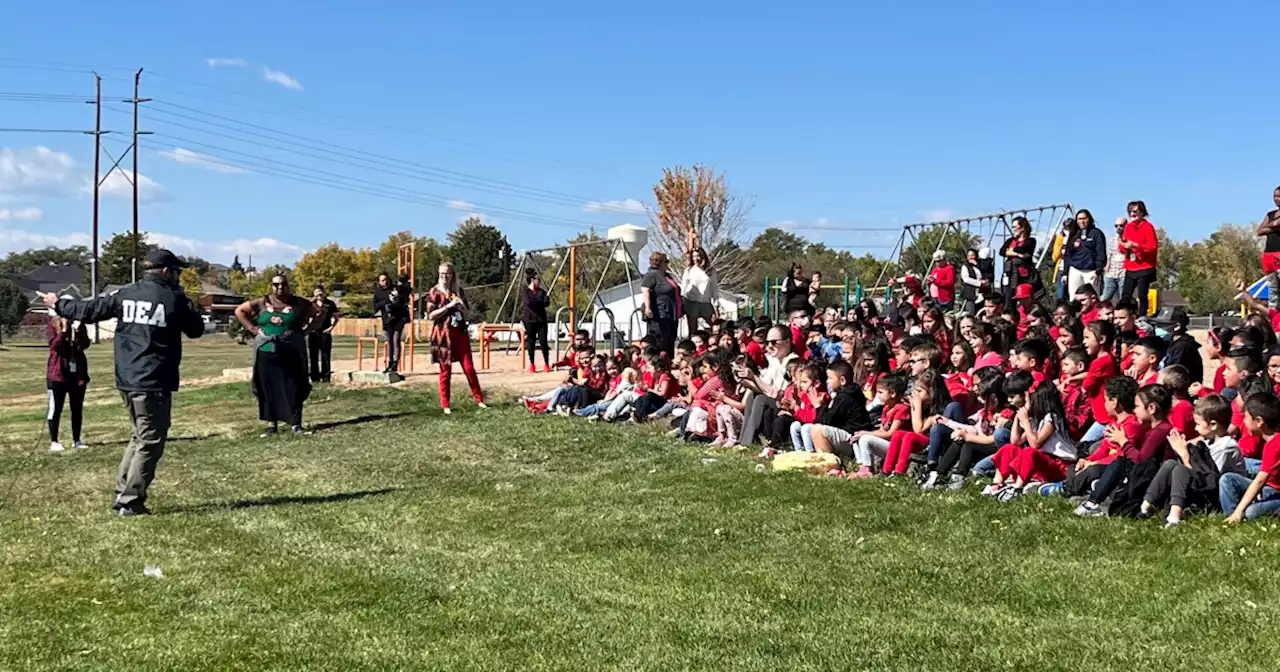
(209, 289)
(53, 275)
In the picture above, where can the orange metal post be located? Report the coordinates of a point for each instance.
(405, 263)
(573, 289)
(360, 351)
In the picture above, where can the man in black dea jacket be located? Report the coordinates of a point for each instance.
(841, 418)
(151, 316)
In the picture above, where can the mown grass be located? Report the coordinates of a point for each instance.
(491, 540)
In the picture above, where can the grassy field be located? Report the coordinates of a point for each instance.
(396, 538)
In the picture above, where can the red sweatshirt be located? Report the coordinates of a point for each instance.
(1102, 369)
(753, 350)
(1079, 412)
(1134, 434)
(1143, 256)
(1154, 444)
(944, 281)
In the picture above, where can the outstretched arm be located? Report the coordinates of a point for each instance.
(88, 312)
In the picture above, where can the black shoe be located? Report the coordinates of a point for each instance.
(299, 431)
(269, 432)
(133, 510)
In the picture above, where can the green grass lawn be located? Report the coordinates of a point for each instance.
(395, 539)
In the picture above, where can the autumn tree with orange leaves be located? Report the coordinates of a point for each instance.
(694, 208)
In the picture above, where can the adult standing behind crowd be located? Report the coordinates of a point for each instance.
(391, 300)
(970, 283)
(320, 340)
(1019, 254)
(151, 316)
(533, 313)
(1141, 248)
(942, 281)
(660, 300)
(700, 289)
(450, 340)
(66, 376)
(795, 291)
(1269, 229)
(1113, 273)
(279, 322)
(767, 386)
(1084, 253)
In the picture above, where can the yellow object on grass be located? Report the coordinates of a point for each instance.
(813, 463)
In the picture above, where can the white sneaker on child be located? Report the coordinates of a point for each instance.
(56, 447)
(992, 490)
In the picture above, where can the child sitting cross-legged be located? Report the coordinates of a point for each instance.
(620, 384)
(1177, 380)
(1247, 499)
(1190, 480)
(1039, 450)
(779, 437)
(895, 415)
(928, 400)
(1120, 394)
(843, 416)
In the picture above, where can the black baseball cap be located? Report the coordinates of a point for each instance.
(162, 258)
(1171, 315)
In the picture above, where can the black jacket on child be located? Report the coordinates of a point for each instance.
(846, 410)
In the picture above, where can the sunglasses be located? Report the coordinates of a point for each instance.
(775, 341)
(279, 284)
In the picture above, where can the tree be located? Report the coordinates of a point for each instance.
(1172, 252)
(200, 265)
(235, 264)
(247, 285)
(115, 263)
(190, 281)
(917, 254)
(1209, 270)
(21, 263)
(13, 307)
(329, 265)
(480, 253)
(695, 205)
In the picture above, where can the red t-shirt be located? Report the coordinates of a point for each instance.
(1037, 379)
(806, 412)
(797, 342)
(944, 280)
(1089, 316)
(662, 384)
(1134, 433)
(869, 388)
(1271, 461)
(1219, 382)
(1183, 418)
(898, 412)
(1079, 414)
(753, 350)
(1144, 255)
(1151, 379)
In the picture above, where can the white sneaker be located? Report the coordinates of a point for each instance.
(992, 490)
(79, 445)
(481, 404)
(56, 447)
(931, 482)
(448, 411)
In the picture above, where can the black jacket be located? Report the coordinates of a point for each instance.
(151, 317)
(1185, 350)
(846, 410)
(393, 304)
(1088, 252)
(533, 305)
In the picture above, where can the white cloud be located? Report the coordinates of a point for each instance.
(228, 62)
(281, 78)
(31, 214)
(785, 225)
(484, 219)
(263, 250)
(627, 205)
(17, 240)
(38, 171)
(460, 205)
(937, 215)
(119, 185)
(190, 158)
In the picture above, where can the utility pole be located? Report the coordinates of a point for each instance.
(97, 151)
(137, 242)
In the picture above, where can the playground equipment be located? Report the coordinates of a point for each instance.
(406, 255)
(851, 293)
(623, 244)
(360, 341)
(994, 228)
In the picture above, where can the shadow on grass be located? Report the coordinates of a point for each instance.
(359, 420)
(280, 501)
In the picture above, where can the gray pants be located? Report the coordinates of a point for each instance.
(150, 413)
(757, 406)
(395, 342)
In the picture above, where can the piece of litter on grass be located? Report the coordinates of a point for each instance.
(1250, 604)
(760, 469)
(153, 571)
(1242, 551)
(708, 460)
(96, 601)
(859, 541)
(719, 532)
(653, 471)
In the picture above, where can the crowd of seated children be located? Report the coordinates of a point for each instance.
(1085, 400)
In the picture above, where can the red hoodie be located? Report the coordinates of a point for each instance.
(944, 281)
(1143, 256)
(1102, 369)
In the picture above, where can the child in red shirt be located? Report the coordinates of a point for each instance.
(1098, 340)
(1245, 498)
(928, 400)
(1182, 416)
(1121, 395)
(1075, 401)
(895, 416)
(1144, 357)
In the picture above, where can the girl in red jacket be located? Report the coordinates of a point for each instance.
(1138, 243)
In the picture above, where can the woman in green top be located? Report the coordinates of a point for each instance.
(278, 322)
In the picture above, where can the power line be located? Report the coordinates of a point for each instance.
(44, 130)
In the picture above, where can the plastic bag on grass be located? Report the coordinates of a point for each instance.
(813, 463)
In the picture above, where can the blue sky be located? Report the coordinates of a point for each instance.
(825, 114)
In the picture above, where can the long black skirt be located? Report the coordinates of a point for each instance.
(281, 385)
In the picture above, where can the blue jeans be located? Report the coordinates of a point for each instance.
(1231, 489)
(664, 410)
(1062, 288)
(940, 435)
(593, 409)
(987, 465)
(1252, 466)
(1095, 433)
(1110, 289)
(801, 436)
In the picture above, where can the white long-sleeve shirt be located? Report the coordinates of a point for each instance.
(699, 286)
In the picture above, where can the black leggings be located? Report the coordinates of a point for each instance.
(534, 333)
(1173, 482)
(962, 455)
(1141, 282)
(58, 394)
